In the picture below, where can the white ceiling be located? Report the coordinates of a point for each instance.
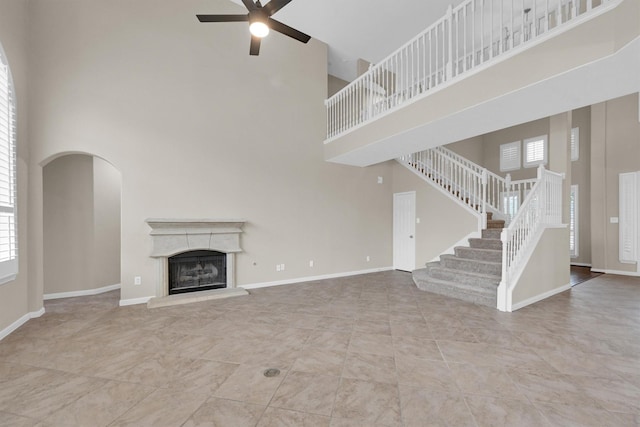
(361, 29)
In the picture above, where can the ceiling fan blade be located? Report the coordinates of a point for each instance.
(275, 5)
(288, 31)
(249, 4)
(254, 49)
(222, 18)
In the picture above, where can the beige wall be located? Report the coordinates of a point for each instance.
(16, 297)
(443, 222)
(615, 148)
(536, 280)
(198, 128)
(493, 141)
(581, 176)
(107, 186)
(335, 85)
(81, 224)
(68, 224)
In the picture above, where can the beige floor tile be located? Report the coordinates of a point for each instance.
(276, 417)
(495, 412)
(101, 406)
(425, 373)
(369, 401)
(11, 420)
(410, 328)
(362, 342)
(422, 407)
(321, 361)
(161, 408)
(373, 326)
(224, 413)
(249, 384)
(200, 376)
(329, 340)
(546, 386)
(353, 422)
(304, 392)
(613, 394)
(412, 346)
(485, 380)
(370, 367)
(559, 415)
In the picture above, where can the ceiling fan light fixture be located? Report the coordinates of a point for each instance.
(259, 29)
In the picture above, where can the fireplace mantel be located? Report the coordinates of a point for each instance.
(172, 236)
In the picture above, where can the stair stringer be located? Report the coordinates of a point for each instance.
(461, 242)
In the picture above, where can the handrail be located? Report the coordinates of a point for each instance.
(470, 183)
(541, 207)
(472, 34)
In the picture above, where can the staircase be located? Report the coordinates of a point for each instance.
(473, 273)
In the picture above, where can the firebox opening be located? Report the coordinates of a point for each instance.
(197, 271)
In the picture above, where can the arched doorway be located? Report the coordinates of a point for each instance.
(81, 226)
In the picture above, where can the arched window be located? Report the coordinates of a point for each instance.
(8, 234)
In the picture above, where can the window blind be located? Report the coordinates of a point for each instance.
(573, 222)
(510, 156)
(8, 237)
(575, 144)
(535, 151)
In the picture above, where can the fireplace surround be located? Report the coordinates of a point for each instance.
(174, 238)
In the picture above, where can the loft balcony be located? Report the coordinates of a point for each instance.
(485, 66)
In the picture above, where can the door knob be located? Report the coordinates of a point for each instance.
(411, 237)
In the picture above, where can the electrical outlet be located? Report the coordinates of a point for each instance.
(137, 280)
(368, 258)
(277, 267)
(380, 180)
(311, 263)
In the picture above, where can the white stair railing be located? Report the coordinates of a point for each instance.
(470, 183)
(542, 207)
(474, 33)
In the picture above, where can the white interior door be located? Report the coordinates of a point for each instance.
(404, 229)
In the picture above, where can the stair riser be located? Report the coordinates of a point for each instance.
(480, 282)
(486, 244)
(475, 298)
(492, 233)
(481, 255)
(470, 265)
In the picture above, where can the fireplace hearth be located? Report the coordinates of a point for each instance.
(197, 271)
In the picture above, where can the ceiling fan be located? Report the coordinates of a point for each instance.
(260, 21)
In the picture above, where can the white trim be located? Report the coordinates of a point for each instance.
(21, 321)
(8, 278)
(540, 297)
(83, 293)
(312, 278)
(580, 264)
(134, 301)
(618, 272)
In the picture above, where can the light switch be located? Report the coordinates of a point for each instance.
(613, 220)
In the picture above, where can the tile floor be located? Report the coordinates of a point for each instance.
(369, 350)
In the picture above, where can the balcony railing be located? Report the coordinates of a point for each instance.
(474, 33)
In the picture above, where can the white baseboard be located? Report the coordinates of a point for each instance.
(134, 301)
(580, 264)
(312, 278)
(540, 297)
(21, 321)
(82, 293)
(618, 272)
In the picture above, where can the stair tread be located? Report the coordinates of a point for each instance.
(479, 249)
(469, 289)
(449, 256)
(469, 273)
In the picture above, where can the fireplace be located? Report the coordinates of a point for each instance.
(205, 248)
(197, 271)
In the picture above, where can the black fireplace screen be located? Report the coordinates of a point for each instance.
(197, 271)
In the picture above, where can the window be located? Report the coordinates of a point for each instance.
(535, 151)
(8, 238)
(510, 203)
(510, 156)
(575, 144)
(573, 222)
